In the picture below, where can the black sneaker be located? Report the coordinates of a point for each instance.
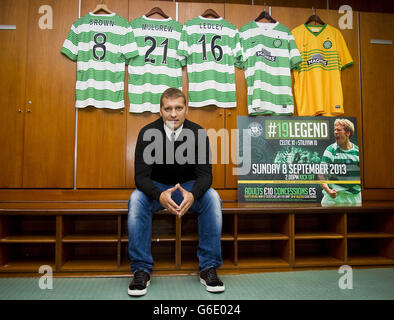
(139, 283)
(211, 281)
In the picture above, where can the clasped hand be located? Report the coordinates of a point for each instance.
(167, 202)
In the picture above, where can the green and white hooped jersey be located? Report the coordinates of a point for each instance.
(157, 66)
(269, 52)
(100, 44)
(335, 155)
(211, 48)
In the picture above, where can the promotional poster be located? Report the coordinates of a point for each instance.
(299, 159)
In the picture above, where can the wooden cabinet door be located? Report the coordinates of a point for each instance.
(378, 98)
(101, 141)
(12, 91)
(49, 100)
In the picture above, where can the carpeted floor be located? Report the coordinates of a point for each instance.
(368, 284)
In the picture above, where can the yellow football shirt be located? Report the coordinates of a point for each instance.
(317, 87)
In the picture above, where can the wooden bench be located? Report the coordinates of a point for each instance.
(90, 237)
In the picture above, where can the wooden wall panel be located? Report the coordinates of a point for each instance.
(12, 91)
(378, 99)
(368, 6)
(139, 8)
(49, 126)
(357, 5)
(101, 151)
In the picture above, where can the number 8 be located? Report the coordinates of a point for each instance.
(99, 45)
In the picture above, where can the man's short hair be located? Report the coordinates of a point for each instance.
(347, 125)
(172, 93)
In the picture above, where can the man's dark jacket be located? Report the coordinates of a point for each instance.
(166, 168)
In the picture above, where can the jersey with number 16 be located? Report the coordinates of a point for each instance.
(212, 49)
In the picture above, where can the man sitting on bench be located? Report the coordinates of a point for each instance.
(173, 171)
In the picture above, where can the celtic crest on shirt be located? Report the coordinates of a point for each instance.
(327, 44)
(277, 43)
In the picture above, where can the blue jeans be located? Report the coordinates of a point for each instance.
(139, 223)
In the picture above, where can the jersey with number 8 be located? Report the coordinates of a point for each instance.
(157, 67)
(211, 48)
(100, 44)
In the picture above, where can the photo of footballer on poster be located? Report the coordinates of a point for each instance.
(302, 159)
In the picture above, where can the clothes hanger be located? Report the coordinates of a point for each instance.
(158, 11)
(102, 7)
(210, 12)
(265, 15)
(314, 18)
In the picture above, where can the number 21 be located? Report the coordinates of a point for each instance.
(153, 47)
